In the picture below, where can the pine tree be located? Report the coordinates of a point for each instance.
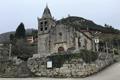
(20, 31)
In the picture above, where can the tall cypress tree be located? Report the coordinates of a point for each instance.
(20, 31)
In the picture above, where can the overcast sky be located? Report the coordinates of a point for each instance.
(12, 12)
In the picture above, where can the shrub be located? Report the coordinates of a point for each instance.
(88, 56)
(22, 50)
(59, 59)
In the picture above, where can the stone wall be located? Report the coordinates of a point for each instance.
(9, 69)
(72, 68)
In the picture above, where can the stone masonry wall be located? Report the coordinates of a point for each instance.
(73, 68)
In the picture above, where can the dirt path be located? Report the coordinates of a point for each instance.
(111, 73)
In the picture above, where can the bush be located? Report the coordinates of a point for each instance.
(22, 50)
(88, 56)
(59, 59)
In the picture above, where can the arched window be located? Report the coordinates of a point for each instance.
(41, 28)
(46, 24)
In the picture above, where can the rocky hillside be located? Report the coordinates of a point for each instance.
(81, 23)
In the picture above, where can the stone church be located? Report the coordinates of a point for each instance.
(56, 37)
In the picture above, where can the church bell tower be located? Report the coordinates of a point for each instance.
(45, 23)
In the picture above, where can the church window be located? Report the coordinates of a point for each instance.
(60, 33)
(41, 23)
(45, 28)
(41, 29)
(45, 23)
(60, 36)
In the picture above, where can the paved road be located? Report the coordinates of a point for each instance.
(111, 73)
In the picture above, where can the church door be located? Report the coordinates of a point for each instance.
(61, 49)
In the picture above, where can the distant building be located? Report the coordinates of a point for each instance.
(55, 37)
(30, 39)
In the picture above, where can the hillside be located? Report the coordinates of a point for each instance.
(4, 37)
(78, 22)
(81, 23)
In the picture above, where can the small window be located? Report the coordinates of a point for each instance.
(41, 29)
(45, 28)
(41, 23)
(45, 23)
(60, 33)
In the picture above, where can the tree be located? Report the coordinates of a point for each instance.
(11, 37)
(20, 31)
(22, 50)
